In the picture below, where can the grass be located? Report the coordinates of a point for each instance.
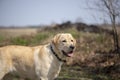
(86, 43)
(29, 40)
(39, 38)
(80, 73)
(1, 38)
(19, 41)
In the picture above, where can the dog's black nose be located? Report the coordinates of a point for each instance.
(72, 47)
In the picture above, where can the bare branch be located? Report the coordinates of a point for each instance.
(112, 9)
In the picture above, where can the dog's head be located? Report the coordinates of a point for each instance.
(64, 44)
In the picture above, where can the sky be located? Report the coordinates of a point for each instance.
(45, 12)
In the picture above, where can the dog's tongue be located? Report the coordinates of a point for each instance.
(70, 54)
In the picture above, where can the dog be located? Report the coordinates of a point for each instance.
(37, 63)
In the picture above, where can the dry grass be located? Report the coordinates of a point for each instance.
(16, 32)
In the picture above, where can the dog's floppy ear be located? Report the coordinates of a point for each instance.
(56, 38)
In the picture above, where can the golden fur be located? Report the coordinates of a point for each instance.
(36, 63)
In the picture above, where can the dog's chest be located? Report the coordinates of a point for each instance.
(55, 69)
(52, 68)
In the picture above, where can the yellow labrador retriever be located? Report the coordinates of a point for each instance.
(37, 63)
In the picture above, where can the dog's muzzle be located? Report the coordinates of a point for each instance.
(69, 54)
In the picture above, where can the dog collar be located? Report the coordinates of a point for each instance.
(57, 55)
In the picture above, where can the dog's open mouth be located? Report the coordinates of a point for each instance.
(69, 54)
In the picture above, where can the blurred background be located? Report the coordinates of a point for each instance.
(94, 23)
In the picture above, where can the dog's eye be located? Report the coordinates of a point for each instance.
(64, 41)
(71, 40)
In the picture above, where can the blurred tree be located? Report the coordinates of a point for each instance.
(112, 9)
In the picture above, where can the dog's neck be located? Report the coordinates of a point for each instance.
(56, 55)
